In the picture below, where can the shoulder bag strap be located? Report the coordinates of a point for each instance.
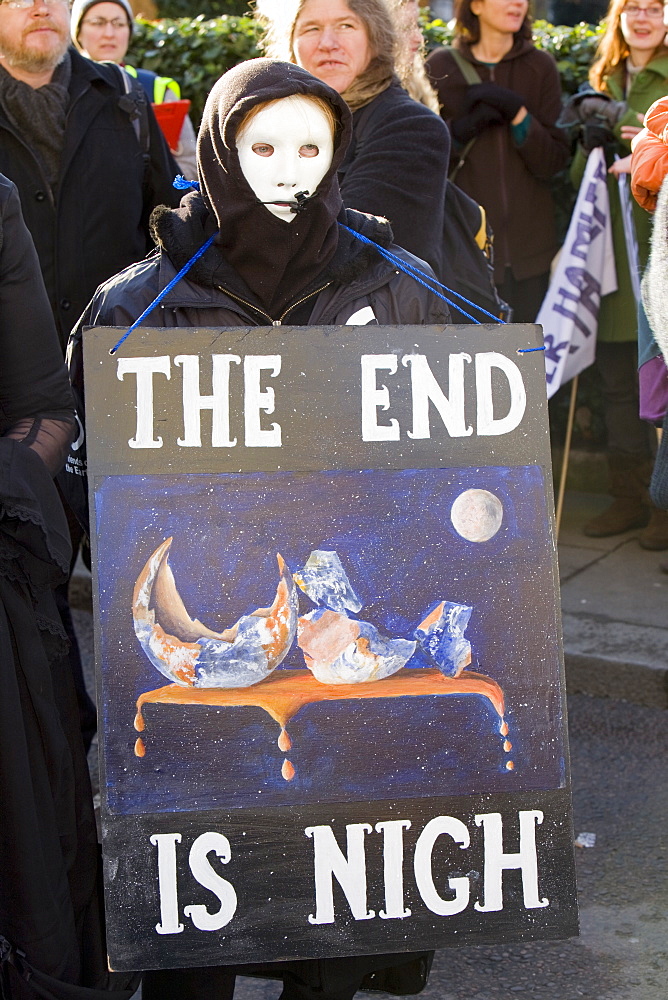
(471, 76)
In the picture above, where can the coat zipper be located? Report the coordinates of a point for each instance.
(274, 322)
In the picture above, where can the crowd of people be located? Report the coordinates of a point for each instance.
(341, 122)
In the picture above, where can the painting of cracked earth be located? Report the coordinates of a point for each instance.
(437, 578)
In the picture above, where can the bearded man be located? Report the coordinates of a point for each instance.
(68, 142)
(87, 188)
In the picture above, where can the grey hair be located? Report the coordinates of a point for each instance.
(278, 19)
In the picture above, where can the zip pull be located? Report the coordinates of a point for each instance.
(276, 322)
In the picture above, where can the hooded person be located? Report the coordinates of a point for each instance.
(282, 248)
(265, 245)
(102, 31)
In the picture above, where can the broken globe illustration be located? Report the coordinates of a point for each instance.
(191, 654)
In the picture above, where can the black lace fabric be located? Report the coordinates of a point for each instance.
(48, 436)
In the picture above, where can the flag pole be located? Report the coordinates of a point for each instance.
(567, 453)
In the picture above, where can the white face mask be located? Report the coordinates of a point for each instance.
(286, 149)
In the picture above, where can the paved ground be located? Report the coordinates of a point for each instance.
(614, 602)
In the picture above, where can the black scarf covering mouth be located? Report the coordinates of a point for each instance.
(275, 258)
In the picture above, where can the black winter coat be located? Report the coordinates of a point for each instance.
(394, 298)
(397, 166)
(97, 223)
(50, 890)
(33, 378)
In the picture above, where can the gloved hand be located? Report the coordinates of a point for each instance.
(505, 101)
(588, 105)
(470, 126)
(595, 134)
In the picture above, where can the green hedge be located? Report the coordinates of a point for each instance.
(193, 52)
(573, 48)
(207, 8)
(196, 52)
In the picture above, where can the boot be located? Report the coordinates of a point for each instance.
(629, 479)
(655, 535)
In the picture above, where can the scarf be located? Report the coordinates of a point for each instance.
(376, 78)
(39, 115)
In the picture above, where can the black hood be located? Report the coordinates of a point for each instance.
(275, 258)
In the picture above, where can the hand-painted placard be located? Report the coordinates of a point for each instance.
(328, 643)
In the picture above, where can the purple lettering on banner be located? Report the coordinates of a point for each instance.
(591, 198)
(589, 287)
(553, 352)
(560, 307)
(600, 174)
(584, 237)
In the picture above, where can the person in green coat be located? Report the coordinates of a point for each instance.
(631, 68)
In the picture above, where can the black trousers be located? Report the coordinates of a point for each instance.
(218, 984)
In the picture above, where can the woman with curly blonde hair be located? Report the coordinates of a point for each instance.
(411, 53)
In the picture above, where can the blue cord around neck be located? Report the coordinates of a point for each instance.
(158, 299)
(413, 272)
(423, 279)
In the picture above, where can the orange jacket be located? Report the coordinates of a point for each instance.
(650, 156)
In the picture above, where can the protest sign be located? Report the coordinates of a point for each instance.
(585, 271)
(327, 639)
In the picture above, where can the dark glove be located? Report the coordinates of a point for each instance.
(505, 101)
(588, 105)
(595, 134)
(471, 125)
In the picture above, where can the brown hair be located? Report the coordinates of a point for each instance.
(319, 102)
(613, 48)
(279, 17)
(467, 25)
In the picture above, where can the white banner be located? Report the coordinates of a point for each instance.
(584, 273)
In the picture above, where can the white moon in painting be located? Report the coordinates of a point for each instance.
(476, 515)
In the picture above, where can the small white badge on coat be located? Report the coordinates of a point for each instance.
(362, 317)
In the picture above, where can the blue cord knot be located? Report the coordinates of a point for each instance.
(181, 184)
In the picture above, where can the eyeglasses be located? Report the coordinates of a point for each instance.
(100, 23)
(654, 12)
(24, 4)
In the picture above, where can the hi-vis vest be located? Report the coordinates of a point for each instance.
(161, 84)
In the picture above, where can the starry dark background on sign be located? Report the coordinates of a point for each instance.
(393, 533)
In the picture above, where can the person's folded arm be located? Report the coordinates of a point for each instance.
(545, 149)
